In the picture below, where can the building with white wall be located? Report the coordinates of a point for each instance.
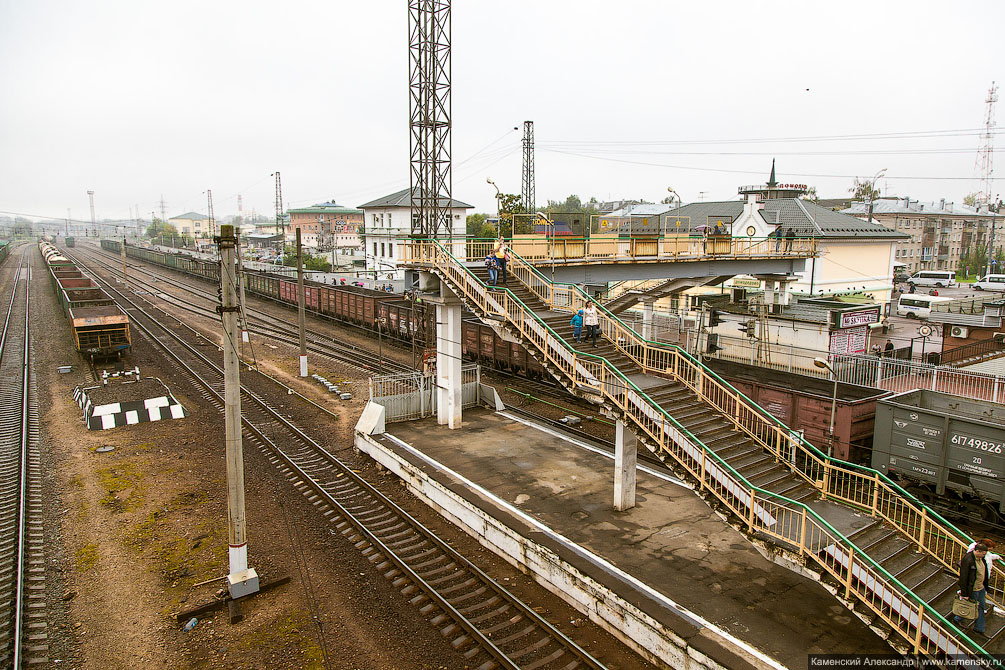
(387, 221)
(195, 225)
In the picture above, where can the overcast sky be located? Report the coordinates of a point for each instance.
(138, 100)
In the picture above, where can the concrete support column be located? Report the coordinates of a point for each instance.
(783, 293)
(448, 362)
(625, 459)
(769, 292)
(647, 320)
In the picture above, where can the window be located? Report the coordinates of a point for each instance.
(375, 247)
(389, 219)
(381, 249)
(390, 249)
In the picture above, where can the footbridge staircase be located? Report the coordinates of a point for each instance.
(626, 294)
(884, 554)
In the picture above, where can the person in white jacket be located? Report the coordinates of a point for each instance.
(591, 320)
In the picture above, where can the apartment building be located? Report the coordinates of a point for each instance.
(938, 233)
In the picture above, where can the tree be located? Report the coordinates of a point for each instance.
(510, 205)
(477, 226)
(972, 199)
(158, 228)
(864, 190)
(811, 194)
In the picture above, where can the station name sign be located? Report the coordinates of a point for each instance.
(861, 317)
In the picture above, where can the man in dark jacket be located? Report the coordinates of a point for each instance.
(974, 582)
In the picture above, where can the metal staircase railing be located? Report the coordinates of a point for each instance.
(787, 522)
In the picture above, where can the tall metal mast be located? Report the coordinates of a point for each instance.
(94, 223)
(985, 154)
(280, 227)
(528, 198)
(430, 180)
(209, 213)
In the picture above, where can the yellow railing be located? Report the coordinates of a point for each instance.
(789, 522)
(614, 248)
(834, 479)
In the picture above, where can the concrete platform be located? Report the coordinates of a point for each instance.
(668, 576)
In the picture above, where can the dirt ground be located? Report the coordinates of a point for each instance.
(132, 531)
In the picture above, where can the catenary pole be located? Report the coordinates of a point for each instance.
(241, 580)
(240, 280)
(300, 306)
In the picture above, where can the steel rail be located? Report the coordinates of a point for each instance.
(311, 481)
(268, 326)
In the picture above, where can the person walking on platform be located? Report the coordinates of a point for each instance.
(974, 582)
(592, 322)
(501, 253)
(577, 326)
(492, 267)
(789, 238)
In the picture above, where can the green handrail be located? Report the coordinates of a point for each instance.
(709, 452)
(767, 415)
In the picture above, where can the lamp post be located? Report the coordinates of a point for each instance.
(825, 365)
(994, 206)
(551, 224)
(872, 188)
(498, 195)
(677, 195)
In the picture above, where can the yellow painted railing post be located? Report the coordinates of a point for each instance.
(826, 482)
(802, 534)
(875, 494)
(750, 517)
(917, 633)
(924, 526)
(847, 581)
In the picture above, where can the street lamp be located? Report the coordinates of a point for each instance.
(677, 195)
(551, 224)
(498, 195)
(825, 365)
(872, 187)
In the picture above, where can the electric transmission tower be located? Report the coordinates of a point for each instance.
(163, 209)
(430, 181)
(528, 197)
(985, 154)
(209, 212)
(280, 227)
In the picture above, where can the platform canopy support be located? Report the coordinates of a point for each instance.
(647, 320)
(448, 349)
(625, 461)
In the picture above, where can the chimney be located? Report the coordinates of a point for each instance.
(907, 201)
(942, 203)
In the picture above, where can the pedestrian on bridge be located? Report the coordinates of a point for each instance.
(577, 326)
(974, 582)
(492, 267)
(502, 255)
(592, 322)
(789, 239)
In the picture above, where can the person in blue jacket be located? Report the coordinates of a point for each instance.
(577, 326)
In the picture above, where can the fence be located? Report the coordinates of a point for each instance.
(412, 395)
(899, 375)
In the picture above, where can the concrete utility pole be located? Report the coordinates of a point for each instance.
(300, 306)
(240, 281)
(242, 580)
(94, 223)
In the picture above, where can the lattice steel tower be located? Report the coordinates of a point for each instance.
(280, 226)
(985, 154)
(527, 196)
(429, 179)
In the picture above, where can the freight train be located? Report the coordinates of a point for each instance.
(100, 328)
(392, 315)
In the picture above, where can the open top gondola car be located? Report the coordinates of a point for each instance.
(100, 332)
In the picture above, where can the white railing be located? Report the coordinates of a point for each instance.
(896, 375)
(412, 395)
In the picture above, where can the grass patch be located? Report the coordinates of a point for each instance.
(179, 546)
(75, 482)
(123, 487)
(87, 557)
(290, 636)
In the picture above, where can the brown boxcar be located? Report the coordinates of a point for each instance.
(804, 403)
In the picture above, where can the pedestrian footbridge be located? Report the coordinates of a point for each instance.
(884, 554)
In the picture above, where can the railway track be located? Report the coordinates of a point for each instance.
(259, 322)
(22, 562)
(485, 622)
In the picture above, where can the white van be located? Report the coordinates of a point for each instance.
(916, 306)
(990, 283)
(937, 278)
